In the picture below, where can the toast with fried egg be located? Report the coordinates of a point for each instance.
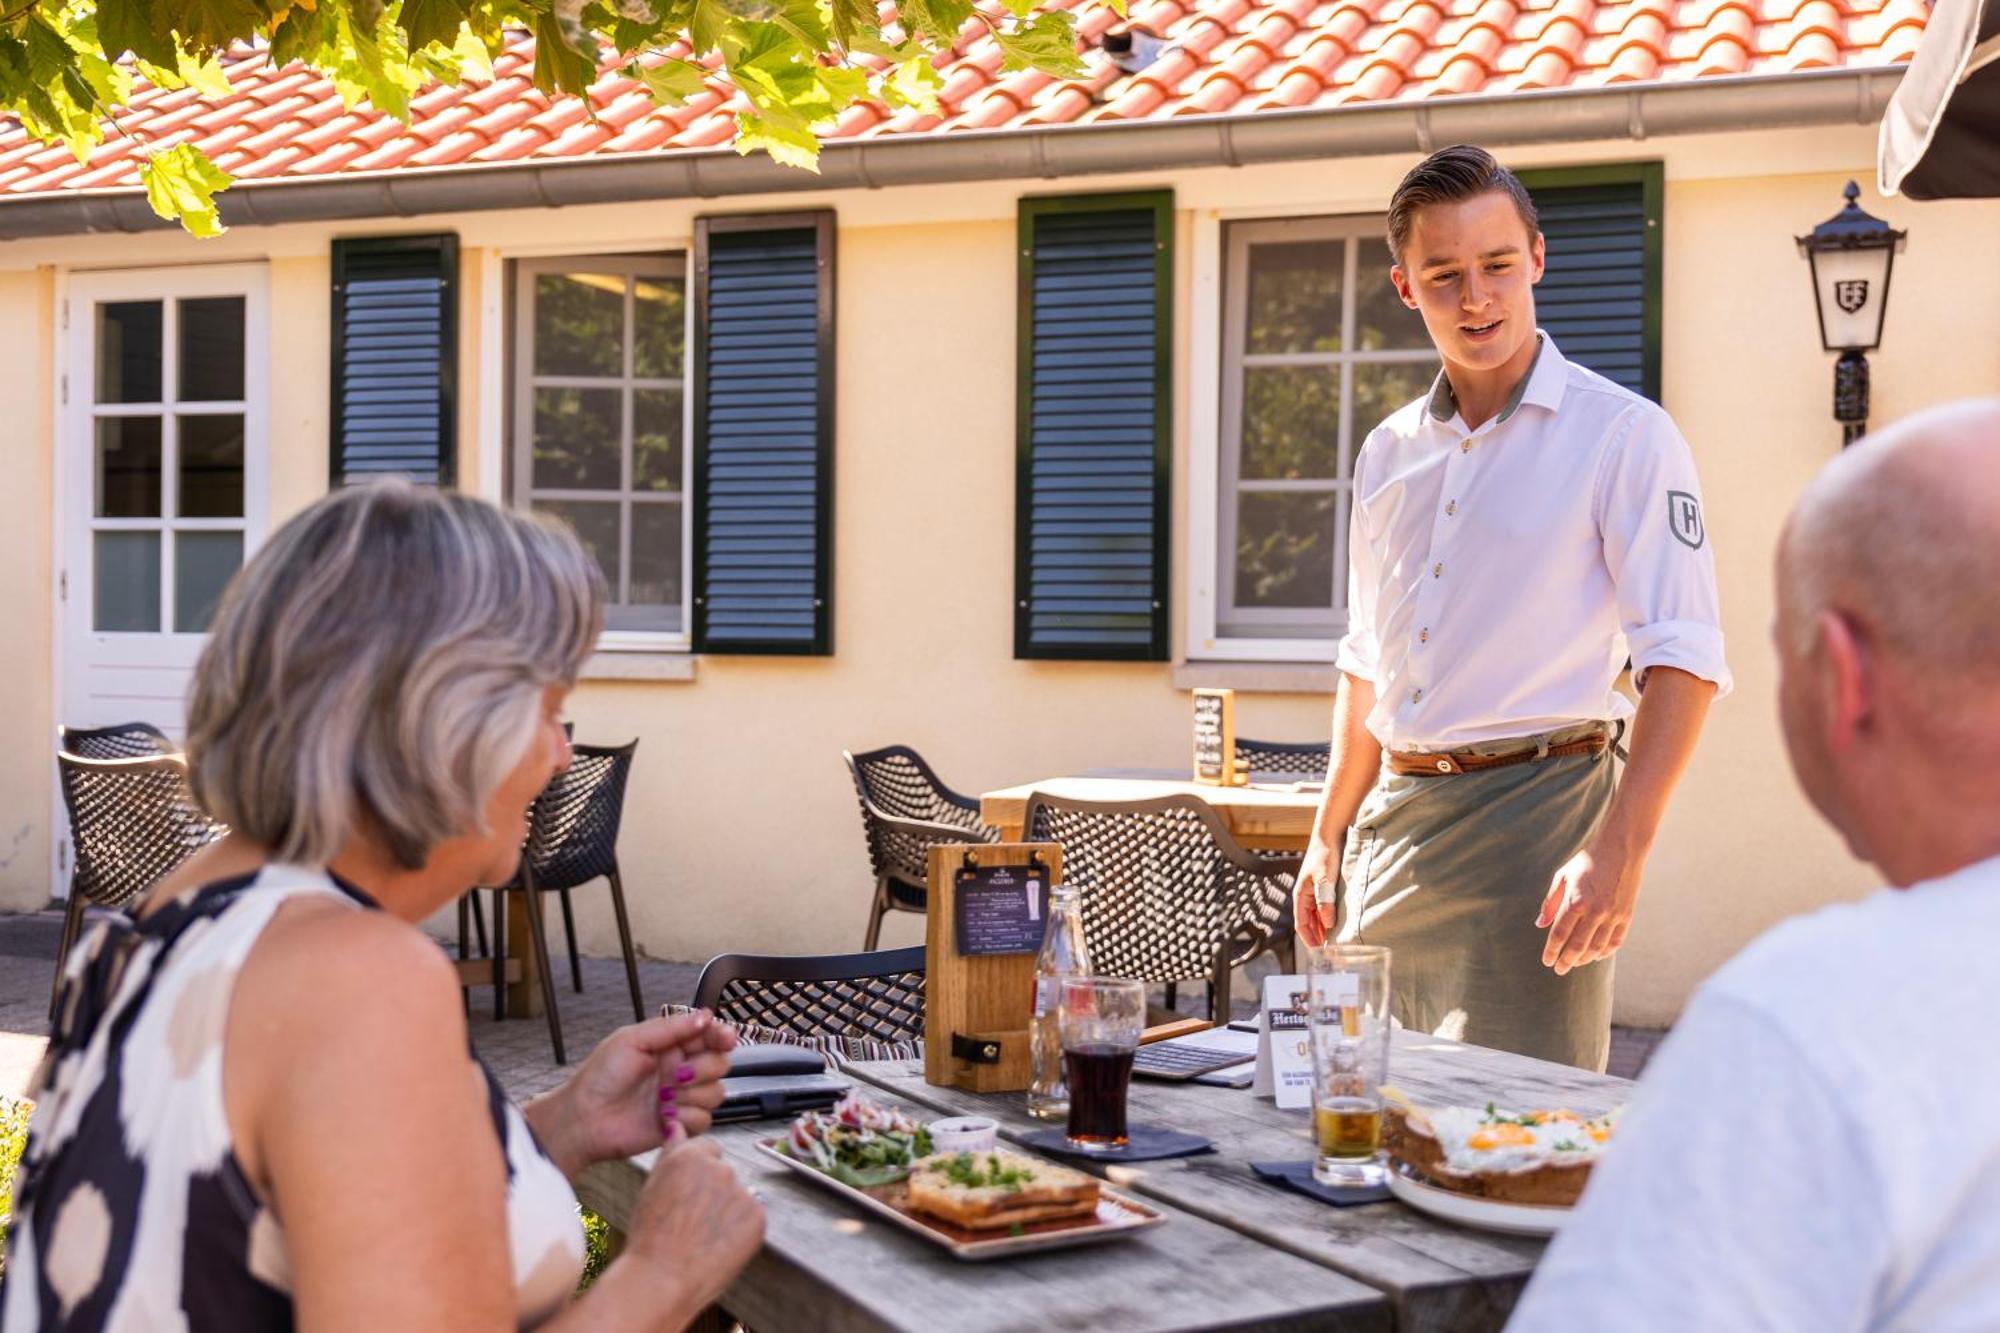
(1532, 1157)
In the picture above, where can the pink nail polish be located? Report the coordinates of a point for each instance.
(685, 1074)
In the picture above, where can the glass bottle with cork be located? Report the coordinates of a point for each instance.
(1064, 954)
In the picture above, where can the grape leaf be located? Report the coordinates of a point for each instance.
(181, 184)
(1048, 43)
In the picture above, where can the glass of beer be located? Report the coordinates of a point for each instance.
(1101, 1019)
(1347, 1014)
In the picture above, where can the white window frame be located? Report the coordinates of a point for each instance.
(1219, 255)
(516, 276)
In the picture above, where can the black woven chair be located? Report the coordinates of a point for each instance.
(1167, 894)
(905, 809)
(572, 840)
(879, 994)
(133, 821)
(1307, 759)
(127, 740)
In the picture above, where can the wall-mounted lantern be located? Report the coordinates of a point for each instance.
(1851, 254)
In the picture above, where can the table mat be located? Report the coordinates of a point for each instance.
(1145, 1143)
(1299, 1176)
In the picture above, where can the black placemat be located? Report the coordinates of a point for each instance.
(1144, 1143)
(1299, 1176)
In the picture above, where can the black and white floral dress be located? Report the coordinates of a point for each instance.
(131, 1210)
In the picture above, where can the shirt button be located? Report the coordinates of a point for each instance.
(1416, 695)
(1423, 636)
(1465, 446)
(1451, 509)
(1437, 570)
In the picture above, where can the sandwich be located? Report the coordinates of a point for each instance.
(1532, 1157)
(988, 1191)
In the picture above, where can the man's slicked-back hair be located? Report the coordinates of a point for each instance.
(381, 659)
(1450, 176)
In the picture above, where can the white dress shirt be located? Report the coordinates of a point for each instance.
(1498, 578)
(1816, 1146)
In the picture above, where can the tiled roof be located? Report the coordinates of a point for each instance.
(1233, 57)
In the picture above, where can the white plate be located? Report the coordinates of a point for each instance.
(1520, 1219)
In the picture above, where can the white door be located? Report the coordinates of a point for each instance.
(163, 459)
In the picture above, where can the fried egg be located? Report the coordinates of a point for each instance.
(1494, 1139)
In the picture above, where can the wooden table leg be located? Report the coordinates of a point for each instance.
(524, 996)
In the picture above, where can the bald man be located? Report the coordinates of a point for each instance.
(1817, 1145)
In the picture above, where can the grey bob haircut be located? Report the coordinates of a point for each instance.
(380, 661)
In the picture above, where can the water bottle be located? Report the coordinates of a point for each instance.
(1064, 955)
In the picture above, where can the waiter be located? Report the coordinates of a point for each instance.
(1518, 533)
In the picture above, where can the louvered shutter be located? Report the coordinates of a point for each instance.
(1093, 427)
(395, 358)
(1600, 295)
(763, 434)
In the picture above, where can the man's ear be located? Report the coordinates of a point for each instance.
(1847, 674)
(1403, 288)
(1538, 257)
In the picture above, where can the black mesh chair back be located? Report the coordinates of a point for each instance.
(1307, 759)
(573, 824)
(1167, 895)
(879, 994)
(133, 821)
(905, 811)
(127, 740)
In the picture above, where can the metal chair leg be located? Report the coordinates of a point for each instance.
(539, 936)
(478, 922)
(625, 943)
(464, 924)
(499, 955)
(569, 933)
(1173, 996)
(72, 921)
(876, 912)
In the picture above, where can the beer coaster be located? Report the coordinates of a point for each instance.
(1299, 1176)
(1144, 1143)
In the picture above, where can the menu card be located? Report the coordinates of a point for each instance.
(1284, 1044)
(1215, 737)
(1000, 909)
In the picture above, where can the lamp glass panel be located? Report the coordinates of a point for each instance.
(1852, 286)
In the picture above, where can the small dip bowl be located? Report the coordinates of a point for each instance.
(965, 1133)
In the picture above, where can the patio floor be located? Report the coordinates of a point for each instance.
(516, 1050)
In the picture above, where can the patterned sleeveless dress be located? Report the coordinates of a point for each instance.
(131, 1210)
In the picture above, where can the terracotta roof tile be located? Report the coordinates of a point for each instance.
(1219, 57)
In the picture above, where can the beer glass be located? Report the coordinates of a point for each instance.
(1347, 1014)
(1102, 1018)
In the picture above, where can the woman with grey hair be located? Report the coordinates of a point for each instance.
(260, 1105)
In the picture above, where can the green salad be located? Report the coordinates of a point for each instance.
(858, 1142)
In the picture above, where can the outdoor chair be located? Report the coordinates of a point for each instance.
(877, 995)
(572, 840)
(1167, 894)
(126, 740)
(133, 821)
(905, 810)
(1306, 759)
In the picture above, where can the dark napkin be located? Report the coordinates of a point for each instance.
(1299, 1176)
(1144, 1143)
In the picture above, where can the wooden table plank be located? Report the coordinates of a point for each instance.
(1267, 816)
(826, 1266)
(1436, 1276)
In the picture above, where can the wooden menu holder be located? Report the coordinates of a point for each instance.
(1215, 762)
(977, 1009)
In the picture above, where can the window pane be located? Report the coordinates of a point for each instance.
(128, 352)
(1294, 297)
(576, 439)
(579, 324)
(654, 599)
(656, 440)
(1380, 390)
(128, 467)
(127, 597)
(1381, 321)
(596, 524)
(203, 564)
(1284, 548)
(1291, 422)
(659, 327)
(211, 462)
(212, 349)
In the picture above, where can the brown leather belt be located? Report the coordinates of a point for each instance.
(1411, 763)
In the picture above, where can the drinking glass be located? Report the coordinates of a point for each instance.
(1347, 1015)
(1102, 1018)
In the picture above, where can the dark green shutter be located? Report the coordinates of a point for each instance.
(1093, 427)
(1599, 297)
(763, 377)
(395, 358)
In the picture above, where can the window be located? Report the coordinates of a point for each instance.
(599, 424)
(1317, 349)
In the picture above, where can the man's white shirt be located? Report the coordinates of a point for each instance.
(1499, 578)
(1817, 1144)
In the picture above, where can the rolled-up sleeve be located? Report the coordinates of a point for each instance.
(1656, 545)
(1360, 650)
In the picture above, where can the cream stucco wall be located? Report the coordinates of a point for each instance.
(27, 597)
(741, 828)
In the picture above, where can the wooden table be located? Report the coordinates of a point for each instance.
(826, 1265)
(1435, 1276)
(1267, 815)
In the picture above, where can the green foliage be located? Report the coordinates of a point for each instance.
(14, 1115)
(596, 1247)
(66, 66)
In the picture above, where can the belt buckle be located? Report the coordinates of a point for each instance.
(1444, 764)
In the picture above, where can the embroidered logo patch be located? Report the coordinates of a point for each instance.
(1684, 518)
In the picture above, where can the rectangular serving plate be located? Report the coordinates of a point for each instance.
(1118, 1216)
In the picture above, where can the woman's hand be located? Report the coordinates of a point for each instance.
(639, 1081)
(696, 1220)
